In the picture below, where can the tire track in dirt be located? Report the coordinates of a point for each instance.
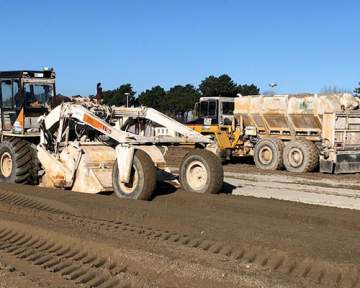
(315, 271)
(72, 263)
(17, 199)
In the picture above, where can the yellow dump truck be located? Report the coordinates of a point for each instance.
(301, 132)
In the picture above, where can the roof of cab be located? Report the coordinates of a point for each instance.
(27, 74)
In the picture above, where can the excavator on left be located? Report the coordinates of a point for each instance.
(88, 147)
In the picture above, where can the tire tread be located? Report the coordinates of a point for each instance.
(278, 146)
(149, 182)
(23, 155)
(216, 170)
(311, 156)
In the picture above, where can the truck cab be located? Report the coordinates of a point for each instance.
(214, 111)
(214, 117)
(24, 96)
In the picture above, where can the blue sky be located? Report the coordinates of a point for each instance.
(302, 45)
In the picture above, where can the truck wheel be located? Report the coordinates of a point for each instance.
(15, 161)
(142, 180)
(268, 154)
(35, 168)
(201, 171)
(301, 156)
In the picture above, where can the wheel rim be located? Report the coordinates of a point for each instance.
(296, 157)
(265, 155)
(196, 175)
(6, 164)
(130, 187)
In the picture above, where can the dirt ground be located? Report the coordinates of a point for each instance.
(246, 165)
(55, 238)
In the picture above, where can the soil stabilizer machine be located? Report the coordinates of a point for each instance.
(87, 147)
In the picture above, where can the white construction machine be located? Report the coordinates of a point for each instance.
(92, 148)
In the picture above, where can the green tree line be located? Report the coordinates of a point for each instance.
(179, 99)
(357, 90)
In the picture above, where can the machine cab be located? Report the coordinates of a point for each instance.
(24, 96)
(214, 111)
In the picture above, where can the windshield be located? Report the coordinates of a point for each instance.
(207, 108)
(228, 108)
(38, 95)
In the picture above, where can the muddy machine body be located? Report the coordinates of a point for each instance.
(85, 146)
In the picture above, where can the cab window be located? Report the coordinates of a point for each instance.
(208, 108)
(204, 108)
(228, 108)
(6, 94)
(16, 93)
(37, 95)
(212, 108)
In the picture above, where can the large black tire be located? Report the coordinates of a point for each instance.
(143, 178)
(201, 172)
(268, 154)
(35, 168)
(16, 161)
(301, 156)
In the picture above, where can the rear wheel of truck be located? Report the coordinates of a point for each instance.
(301, 156)
(268, 154)
(142, 178)
(201, 172)
(16, 161)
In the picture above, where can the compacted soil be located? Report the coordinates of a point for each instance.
(55, 238)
